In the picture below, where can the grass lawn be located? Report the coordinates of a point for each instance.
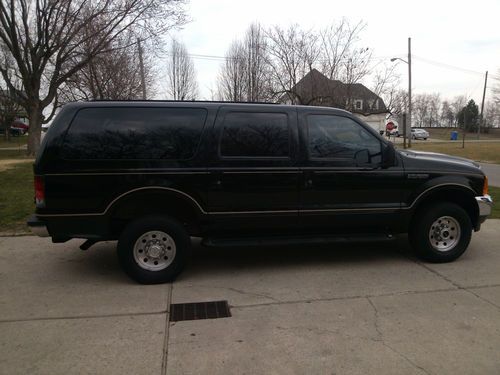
(16, 197)
(445, 133)
(13, 141)
(495, 194)
(488, 152)
(13, 154)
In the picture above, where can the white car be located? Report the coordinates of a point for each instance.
(419, 134)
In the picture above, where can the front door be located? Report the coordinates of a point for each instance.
(344, 188)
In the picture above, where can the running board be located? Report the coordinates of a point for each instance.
(295, 240)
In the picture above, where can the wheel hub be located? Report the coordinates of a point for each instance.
(444, 233)
(154, 250)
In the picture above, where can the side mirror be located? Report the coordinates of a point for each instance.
(388, 155)
(362, 157)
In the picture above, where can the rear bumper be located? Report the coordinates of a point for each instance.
(485, 205)
(38, 227)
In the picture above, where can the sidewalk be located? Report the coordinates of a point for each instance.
(352, 309)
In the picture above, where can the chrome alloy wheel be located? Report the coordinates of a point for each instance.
(444, 233)
(154, 251)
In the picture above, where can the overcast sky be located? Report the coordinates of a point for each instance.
(464, 34)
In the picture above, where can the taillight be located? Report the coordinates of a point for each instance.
(485, 185)
(39, 192)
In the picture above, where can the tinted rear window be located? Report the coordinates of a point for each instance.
(255, 135)
(134, 133)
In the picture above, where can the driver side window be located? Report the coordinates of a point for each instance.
(337, 137)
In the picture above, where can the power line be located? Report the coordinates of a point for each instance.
(223, 58)
(449, 66)
(205, 57)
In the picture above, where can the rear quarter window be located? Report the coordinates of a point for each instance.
(134, 133)
(246, 134)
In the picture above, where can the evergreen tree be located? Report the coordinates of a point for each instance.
(469, 113)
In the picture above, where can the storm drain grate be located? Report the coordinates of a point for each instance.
(199, 310)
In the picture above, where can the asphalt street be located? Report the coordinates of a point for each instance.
(493, 173)
(353, 309)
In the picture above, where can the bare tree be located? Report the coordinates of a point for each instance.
(458, 103)
(47, 41)
(342, 58)
(386, 82)
(256, 67)
(244, 76)
(491, 115)
(496, 90)
(113, 75)
(421, 109)
(9, 106)
(232, 82)
(447, 117)
(434, 107)
(292, 53)
(399, 103)
(9, 111)
(426, 109)
(181, 75)
(337, 42)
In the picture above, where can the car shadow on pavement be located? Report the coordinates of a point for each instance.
(100, 262)
(214, 260)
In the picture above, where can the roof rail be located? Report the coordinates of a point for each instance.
(178, 101)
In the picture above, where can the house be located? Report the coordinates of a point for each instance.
(316, 89)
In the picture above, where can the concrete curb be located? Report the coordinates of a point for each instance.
(15, 234)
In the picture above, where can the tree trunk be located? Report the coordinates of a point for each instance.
(35, 130)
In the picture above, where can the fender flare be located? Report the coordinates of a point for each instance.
(185, 197)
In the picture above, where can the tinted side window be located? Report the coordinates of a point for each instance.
(134, 133)
(341, 138)
(255, 135)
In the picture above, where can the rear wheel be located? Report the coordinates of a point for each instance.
(441, 233)
(153, 249)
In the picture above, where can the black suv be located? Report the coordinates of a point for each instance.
(152, 174)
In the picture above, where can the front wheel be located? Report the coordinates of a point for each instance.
(441, 233)
(153, 249)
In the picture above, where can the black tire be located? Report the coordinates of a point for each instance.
(133, 232)
(420, 236)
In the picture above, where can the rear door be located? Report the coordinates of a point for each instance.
(253, 187)
(344, 188)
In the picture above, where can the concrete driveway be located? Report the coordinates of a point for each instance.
(337, 310)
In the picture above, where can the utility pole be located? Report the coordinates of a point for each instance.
(404, 130)
(482, 105)
(141, 67)
(409, 89)
(465, 127)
